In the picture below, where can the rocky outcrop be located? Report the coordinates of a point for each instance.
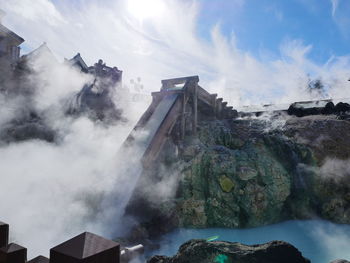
(340, 109)
(245, 173)
(242, 176)
(328, 139)
(253, 172)
(325, 136)
(225, 252)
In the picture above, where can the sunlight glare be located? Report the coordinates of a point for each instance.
(143, 9)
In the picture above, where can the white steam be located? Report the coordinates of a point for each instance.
(50, 192)
(335, 169)
(333, 240)
(168, 45)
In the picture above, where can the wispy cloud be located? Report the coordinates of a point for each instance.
(274, 10)
(166, 46)
(340, 15)
(311, 5)
(335, 4)
(40, 10)
(155, 48)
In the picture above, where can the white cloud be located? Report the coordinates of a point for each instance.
(42, 11)
(166, 46)
(341, 18)
(335, 4)
(311, 5)
(156, 48)
(274, 10)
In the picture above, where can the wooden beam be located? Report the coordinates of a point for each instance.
(162, 134)
(194, 110)
(183, 116)
(219, 108)
(214, 96)
(166, 83)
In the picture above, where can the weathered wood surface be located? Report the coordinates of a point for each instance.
(169, 106)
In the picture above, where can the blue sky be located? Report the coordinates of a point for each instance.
(248, 51)
(262, 25)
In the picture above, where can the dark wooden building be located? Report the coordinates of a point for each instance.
(13, 253)
(86, 248)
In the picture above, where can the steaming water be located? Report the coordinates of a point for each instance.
(320, 241)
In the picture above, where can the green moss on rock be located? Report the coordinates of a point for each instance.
(226, 184)
(244, 176)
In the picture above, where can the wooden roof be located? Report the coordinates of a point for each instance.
(85, 245)
(5, 32)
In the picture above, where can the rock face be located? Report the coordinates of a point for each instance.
(253, 172)
(340, 109)
(227, 252)
(242, 176)
(243, 173)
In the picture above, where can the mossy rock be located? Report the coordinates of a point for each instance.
(226, 184)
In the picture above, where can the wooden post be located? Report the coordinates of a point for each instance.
(194, 110)
(4, 234)
(213, 103)
(219, 108)
(183, 117)
(13, 253)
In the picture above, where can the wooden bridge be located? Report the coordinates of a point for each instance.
(175, 110)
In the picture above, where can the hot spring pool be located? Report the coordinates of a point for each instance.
(320, 241)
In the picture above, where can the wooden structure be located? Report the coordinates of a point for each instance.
(77, 61)
(39, 259)
(10, 253)
(176, 108)
(4, 234)
(9, 42)
(13, 253)
(86, 248)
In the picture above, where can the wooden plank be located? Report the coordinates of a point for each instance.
(144, 119)
(213, 97)
(166, 83)
(219, 108)
(204, 96)
(160, 137)
(183, 117)
(194, 110)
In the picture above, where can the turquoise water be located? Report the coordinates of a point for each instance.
(320, 241)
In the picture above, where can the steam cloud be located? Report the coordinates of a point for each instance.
(81, 182)
(333, 240)
(162, 48)
(51, 192)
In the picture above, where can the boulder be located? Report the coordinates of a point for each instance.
(247, 173)
(340, 109)
(203, 251)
